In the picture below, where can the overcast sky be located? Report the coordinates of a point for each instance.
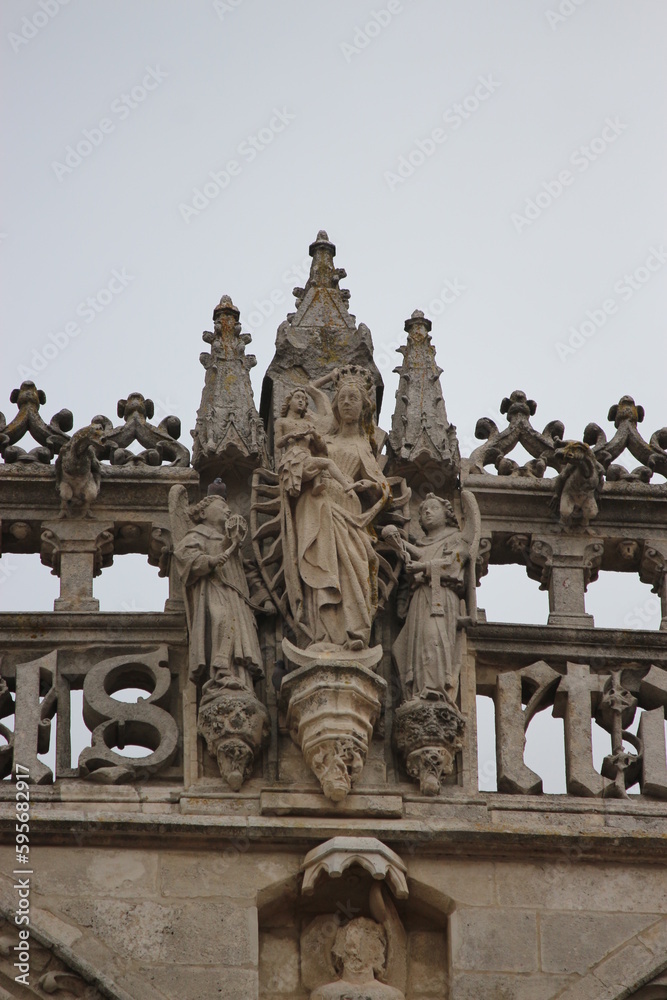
(160, 153)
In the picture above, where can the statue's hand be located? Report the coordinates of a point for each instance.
(361, 485)
(236, 528)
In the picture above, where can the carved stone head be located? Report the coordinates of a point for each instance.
(213, 510)
(352, 400)
(360, 948)
(296, 401)
(434, 512)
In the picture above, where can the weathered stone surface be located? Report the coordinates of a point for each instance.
(576, 942)
(201, 983)
(494, 940)
(427, 965)
(472, 986)
(279, 970)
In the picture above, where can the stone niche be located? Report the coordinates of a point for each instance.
(296, 932)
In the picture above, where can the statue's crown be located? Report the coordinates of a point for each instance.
(355, 375)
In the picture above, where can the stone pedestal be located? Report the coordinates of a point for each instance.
(330, 704)
(428, 735)
(235, 726)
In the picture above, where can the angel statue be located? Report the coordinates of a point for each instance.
(441, 574)
(361, 953)
(224, 646)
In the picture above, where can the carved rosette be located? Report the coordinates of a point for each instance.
(330, 708)
(428, 735)
(235, 727)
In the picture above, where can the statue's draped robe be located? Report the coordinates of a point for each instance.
(223, 634)
(330, 565)
(425, 651)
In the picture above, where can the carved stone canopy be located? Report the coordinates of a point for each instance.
(339, 853)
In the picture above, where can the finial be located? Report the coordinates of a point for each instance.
(322, 242)
(417, 319)
(225, 306)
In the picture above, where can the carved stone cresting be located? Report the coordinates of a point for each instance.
(337, 855)
(78, 471)
(224, 647)
(422, 444)
(50, 437)
(440, 571)
(160, 443)
(653, 455)
(591, 459)
(228, 430)
(331, 703)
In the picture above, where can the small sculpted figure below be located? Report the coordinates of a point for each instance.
(329, 504)
(78, 471)
(438, 569)
(224, 647)
(578, 485)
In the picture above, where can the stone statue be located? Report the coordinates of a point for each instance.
(578, 486)
(359, 952)
(437, 568)
(78, 471)
(301, 453)
(224, 647)
(330, 500)
(365, 949)
(440, 571)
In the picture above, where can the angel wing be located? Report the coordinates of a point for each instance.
(179, 513)
(472, 530)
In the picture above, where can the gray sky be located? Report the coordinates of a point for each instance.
(328, 112)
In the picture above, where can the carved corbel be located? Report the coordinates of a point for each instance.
(330, 705)
(653, 570)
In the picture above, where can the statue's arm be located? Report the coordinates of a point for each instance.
(194, 562)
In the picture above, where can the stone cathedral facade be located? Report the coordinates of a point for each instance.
(292, 810)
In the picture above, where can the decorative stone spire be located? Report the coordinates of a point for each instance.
(321, 335)
(422, 444)
(228, 432)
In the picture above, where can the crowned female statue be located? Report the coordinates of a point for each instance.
(332, 489)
